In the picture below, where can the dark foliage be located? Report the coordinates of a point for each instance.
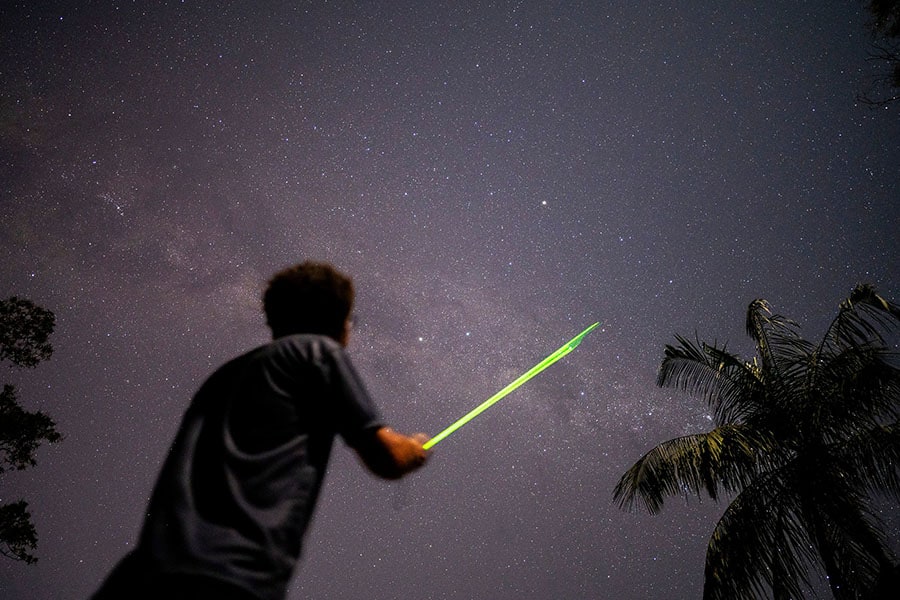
(805, 435)
(885, 28)
(21, 432)
(17, 534)
(25, 329)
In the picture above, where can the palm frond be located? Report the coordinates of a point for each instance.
(855, 390)
(722, 460)
(768, 329)
(758, 545)
(863, 317)
(871, 460)
(727, 384)
(844, 530)
(853, 552)
(758, 315)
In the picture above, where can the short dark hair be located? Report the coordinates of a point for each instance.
(311, 297)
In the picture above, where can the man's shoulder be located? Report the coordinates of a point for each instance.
(282, 354)
(302, 342)
(298, 348)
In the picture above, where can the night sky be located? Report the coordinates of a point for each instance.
(496, 177)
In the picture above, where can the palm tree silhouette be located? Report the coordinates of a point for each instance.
(806, 435)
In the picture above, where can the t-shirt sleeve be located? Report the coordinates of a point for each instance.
(350, 405)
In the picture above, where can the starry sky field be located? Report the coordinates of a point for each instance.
(496, 176)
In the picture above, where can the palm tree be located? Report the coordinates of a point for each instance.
(806, 435)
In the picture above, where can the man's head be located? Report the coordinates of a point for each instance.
(309, 298)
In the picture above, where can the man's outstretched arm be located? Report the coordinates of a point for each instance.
(391, 455)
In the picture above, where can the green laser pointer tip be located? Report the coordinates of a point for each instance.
(555, 356)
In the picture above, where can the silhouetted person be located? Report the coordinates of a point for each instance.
(227, 516)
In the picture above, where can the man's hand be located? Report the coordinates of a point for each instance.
(392, 455)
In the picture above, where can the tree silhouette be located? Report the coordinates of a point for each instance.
(25, 329)
(885, 29)
(18, 536)
(806, 435)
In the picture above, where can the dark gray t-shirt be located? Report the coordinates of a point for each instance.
(240, 483)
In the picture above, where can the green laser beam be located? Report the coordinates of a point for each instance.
(565, 349)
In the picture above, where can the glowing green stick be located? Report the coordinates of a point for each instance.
(565, 349)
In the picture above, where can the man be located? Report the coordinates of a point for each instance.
(234, 497)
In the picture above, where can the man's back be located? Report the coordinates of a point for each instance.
(241, 480)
